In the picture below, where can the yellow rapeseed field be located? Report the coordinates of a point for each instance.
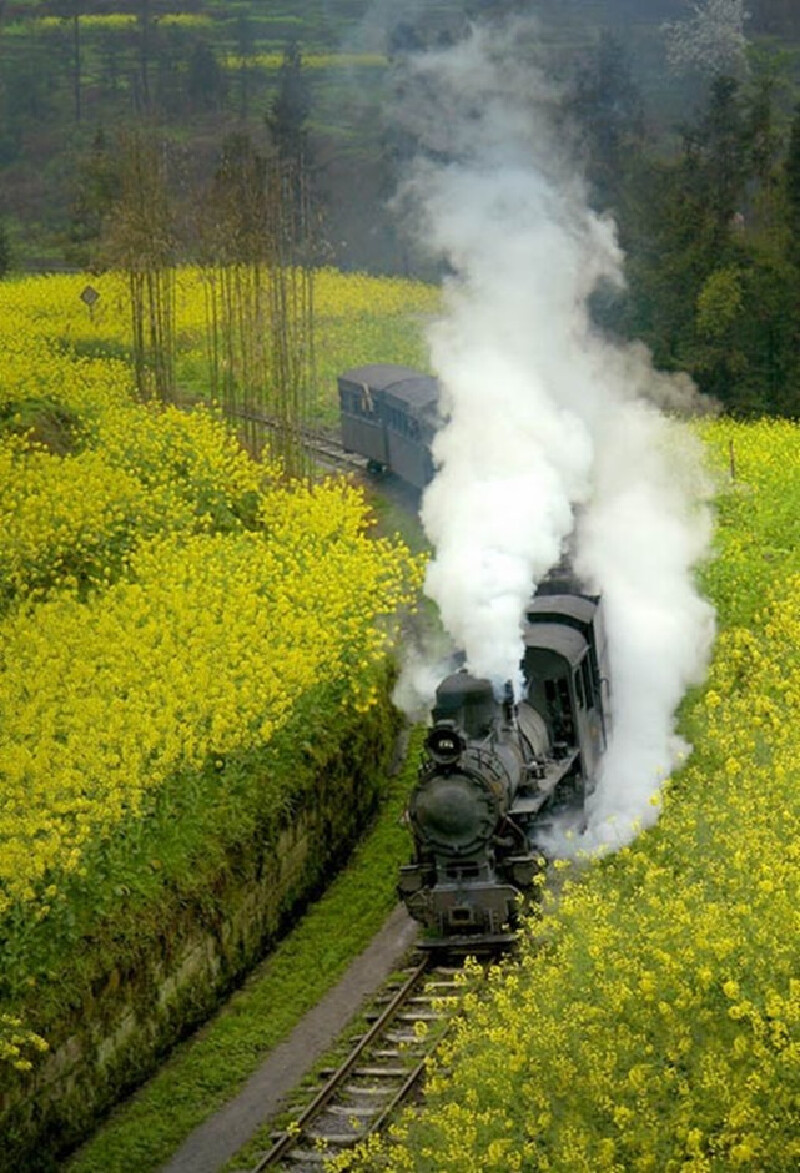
(51, 306)
(359, 319)
(653, 1019)
(202, 648)
(165, 601)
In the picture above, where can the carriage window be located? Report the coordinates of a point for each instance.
(579, 688)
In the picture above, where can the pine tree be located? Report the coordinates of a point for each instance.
(287, 117)
(205, 80)
(606, 105)
(97, 187)
(792, 188)
(724, 143)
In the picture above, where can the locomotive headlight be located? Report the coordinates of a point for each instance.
(444, 743)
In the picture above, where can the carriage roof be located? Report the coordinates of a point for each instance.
(562, 641)
(409, 388)
(579, 607)
(380, 376)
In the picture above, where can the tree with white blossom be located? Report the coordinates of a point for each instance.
(712, 39)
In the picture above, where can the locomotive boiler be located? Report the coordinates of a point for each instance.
(495, 773)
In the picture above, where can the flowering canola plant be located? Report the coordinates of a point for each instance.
(166, 603)
(358, 319)
(652, 1020)
(203, 647)
(69, 522)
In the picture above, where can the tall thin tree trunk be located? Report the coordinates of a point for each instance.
(144, 52)
(76, 32)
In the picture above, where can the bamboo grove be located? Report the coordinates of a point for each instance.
(255, 246)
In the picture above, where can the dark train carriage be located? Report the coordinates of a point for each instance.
(411, 408)
(389, 414)
(363, 426)
(498, 779)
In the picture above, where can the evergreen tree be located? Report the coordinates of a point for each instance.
(723, 142)
(205, 81)
(792, 188)
(606, 106)
(287, 117)
(97, 187)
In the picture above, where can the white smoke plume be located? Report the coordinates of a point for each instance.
(543, 414)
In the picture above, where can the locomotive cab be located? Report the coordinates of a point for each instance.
(565, 669)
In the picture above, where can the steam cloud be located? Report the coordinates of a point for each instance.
(550, 428)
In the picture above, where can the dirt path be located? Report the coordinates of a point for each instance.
(223, 1134)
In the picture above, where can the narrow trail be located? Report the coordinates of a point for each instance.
(221, 1136)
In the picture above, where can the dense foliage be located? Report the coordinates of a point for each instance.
(708, 222)
(76, 73)
(653, 1020)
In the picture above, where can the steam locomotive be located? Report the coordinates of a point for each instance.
(495, 774)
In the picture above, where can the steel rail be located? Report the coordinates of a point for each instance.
(326, 1093)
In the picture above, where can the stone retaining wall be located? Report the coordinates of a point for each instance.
(109, 1047)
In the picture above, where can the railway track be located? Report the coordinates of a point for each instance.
(324, 446)
(321, 444)
(330, 452)
(380, 1072)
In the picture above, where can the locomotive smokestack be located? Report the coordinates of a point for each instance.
(508, 703)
